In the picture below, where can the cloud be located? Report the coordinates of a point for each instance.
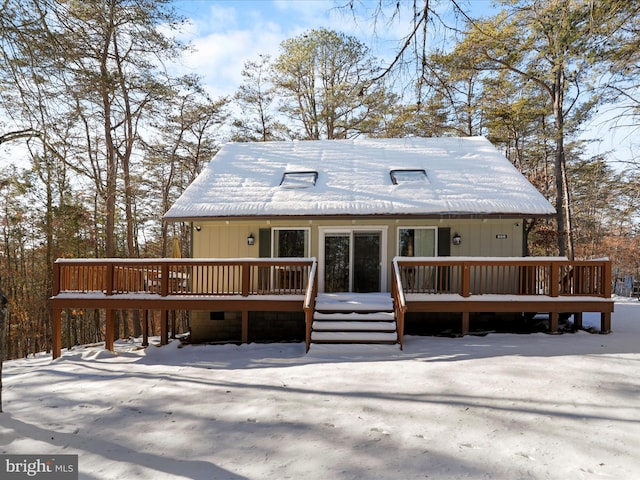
(225, 35)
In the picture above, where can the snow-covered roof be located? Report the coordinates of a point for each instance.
(402, 176)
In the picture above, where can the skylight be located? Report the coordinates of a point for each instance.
(401, 177)
(297, 180)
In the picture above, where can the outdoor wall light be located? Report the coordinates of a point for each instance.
(457, 239)
(198, 228)
(251, 240)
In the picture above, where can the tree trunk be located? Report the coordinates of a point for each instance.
(3, 314)
(561, 201)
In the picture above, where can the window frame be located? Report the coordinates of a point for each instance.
(299, 180)
(396, 173)
(275, 240)
(414, 227)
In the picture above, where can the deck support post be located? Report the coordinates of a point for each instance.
(605, 322)
(553, 322)
(245, 327)
(577, 320)
(308, 325)
(164, 327)
(400, 327)
(464, 327)
(109, 330)
(145, 328)
(56, 333)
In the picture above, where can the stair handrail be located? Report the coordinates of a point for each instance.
(399, 300)
(310, 301)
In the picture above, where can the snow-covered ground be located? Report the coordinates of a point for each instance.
(500, 406)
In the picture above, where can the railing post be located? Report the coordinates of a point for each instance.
(466, 280)
(164, 279)
(246, 269)
(108, 281)
(554, 274)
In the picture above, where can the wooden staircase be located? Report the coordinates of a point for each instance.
(364, 318)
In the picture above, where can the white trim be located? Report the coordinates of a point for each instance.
(382, 229)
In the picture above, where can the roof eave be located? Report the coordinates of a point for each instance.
(435, 216)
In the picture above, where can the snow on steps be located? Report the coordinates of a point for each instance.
(354, 302)
(354, 337)
(361, 326)
(354, 318)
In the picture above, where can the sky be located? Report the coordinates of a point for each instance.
(228, 33)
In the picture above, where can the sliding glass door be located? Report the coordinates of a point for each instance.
(353, 261)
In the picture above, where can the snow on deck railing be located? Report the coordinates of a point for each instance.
(171, 276)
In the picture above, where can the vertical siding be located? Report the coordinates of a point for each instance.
(480, 238)
(223, 239)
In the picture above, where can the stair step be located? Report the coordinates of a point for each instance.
(354, 337)
(354, 326)
(355, 318)
(353, 302)
(374, 316)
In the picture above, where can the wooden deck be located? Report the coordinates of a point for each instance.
(526, 285)
(461, 285)
(244, 285)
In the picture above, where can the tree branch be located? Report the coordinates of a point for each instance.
(26, 133)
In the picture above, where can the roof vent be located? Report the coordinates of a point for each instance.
(410, 176)
(299, 180)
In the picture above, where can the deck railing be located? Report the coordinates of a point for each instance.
(468, 276)
(399, 300)
(183, 277)
(310, 303)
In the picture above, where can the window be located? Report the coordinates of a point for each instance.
(290, 242)
(417, 242)
(298, 180)
(401, 177)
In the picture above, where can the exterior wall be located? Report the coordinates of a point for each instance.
(480, 238)
(263, 326)
(228, 239)
(216, 326)
(486, 238)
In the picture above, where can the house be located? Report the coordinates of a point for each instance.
(355, 204)
(344, 241)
